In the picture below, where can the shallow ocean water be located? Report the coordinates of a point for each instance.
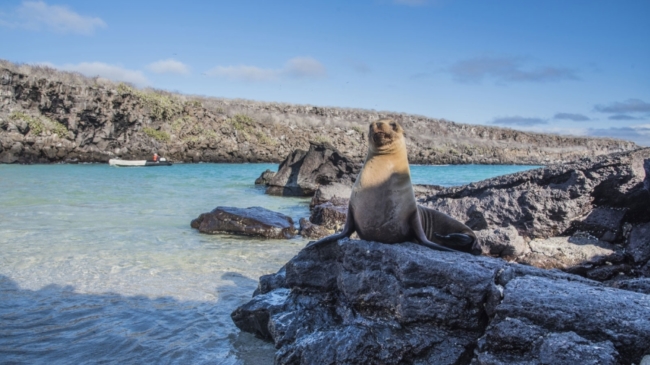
(98, 264)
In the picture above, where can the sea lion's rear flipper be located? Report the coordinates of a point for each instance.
(460, 241)
(416, 225)
(447, 231)
(347, 231)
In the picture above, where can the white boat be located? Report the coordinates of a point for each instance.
(127, 163)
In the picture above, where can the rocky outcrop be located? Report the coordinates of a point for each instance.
(254, 221)
(302, 172)
(589, 217)
(358, 302)
(52, 116)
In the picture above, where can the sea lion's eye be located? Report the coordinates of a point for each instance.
(394, 126)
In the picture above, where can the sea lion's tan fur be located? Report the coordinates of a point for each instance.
(382, 204)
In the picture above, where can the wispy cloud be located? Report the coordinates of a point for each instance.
(507, 69)
(628, 106)
(623, 117)
(640, 133)
(571, 116)
(359, 67)
(111, 72)
(518, 121)
(37, 15)
(169, 66)
(297, 68)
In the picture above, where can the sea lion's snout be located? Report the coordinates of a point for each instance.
(384, 132)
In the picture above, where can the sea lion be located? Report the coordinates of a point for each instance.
(382, 205)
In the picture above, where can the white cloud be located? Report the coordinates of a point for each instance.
(628, 106)
(111, 72)
(639, 133)
(298, 68)
(37, 15)
(507, 69)
(169, 66)
(304, 67)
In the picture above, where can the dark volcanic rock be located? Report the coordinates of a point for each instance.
(545, 202)
(254, 221)
(337, 194)
(302, 172)
(517, 341)
(639, 285)
(502, 242)
(265, 178)
(639, 245)
(310, 230)
(576, 216)
(358, 302)
(329, 216)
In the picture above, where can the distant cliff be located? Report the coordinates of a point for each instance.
(54, 116)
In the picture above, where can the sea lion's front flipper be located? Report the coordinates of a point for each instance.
(416, 225)
(347, 231)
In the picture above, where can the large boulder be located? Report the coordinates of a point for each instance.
(577, 217)
(555, 200)
(253, 221)
(302, 172)
(359, 302)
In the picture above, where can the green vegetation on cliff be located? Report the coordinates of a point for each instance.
(97, 119)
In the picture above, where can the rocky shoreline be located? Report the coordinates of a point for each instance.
(49, 116)
(565, 276)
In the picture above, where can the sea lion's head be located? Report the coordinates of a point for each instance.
(385, 136)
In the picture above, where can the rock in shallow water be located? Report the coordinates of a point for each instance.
(301, 173)
(253, 221)
(356, 302)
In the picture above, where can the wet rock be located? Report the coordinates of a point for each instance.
(314, 231)
(265, 178)
(302, 172)
(356, 302)
(254, 221)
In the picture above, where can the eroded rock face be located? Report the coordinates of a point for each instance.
(253, 221)
(359, 302)
(302, 172)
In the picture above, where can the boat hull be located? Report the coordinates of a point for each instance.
(135, 163)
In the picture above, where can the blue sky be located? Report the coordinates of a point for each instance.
(570, 67)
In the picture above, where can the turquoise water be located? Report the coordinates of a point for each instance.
(99, 264)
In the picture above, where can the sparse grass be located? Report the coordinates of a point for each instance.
(241, 122)
(39, 125)
(161, 136)
(357, 128)
(193, 103)
(161, 106)
(322, 139)
(246, 125)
